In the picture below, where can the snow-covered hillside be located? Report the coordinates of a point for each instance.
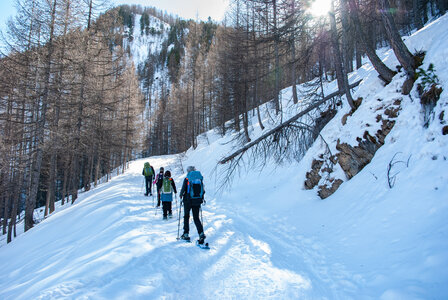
(270, 238)
(144, 44)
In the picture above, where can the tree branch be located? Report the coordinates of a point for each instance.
(284, 124)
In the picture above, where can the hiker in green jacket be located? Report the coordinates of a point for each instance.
(148, 172)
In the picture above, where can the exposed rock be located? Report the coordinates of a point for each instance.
(334, 159)
(325, 191)
(344, 118)
(352, 159)
(392, 112)
(327, 170)
(386, 127)
(407, 86)
(397, 102)
(357, 103)
(313, 177)
(445, 130)
(431, 96)
(316, 164)
(428, 99)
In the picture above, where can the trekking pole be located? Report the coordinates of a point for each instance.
(155, 214)
(178, 220)
(176, 201)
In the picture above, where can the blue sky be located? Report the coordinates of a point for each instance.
(7, 9)
(183, 8)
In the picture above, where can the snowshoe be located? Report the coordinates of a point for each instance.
(201, 238)
(204, 246)
(185, 237)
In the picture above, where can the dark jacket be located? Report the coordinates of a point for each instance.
(159, 180)
(186, 196)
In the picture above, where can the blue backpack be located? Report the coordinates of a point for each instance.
(195, 186)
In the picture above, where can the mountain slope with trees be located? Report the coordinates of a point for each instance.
(74, 92)
(381, 235)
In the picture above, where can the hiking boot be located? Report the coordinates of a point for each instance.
(170, 215)
(201, 238)
(185, 237)
(165, 217)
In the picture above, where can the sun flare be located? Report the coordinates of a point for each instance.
(320, 7)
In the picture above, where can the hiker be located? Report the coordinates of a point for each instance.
(168, 186)
(192, 193)
(159, 181)
(148, 172)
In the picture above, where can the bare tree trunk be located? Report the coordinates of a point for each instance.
(37, 165)
(384, 72)
(277, 59)
(256, 99)
(346, 44)
(341, 75)
(358, 53)
(404, 56)
(416, 4)
(65, 181)
(293, 55)
(15, 205)
(3, 202)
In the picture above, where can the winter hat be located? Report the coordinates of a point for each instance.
(167, 174)
(190, 169)
(161, 169)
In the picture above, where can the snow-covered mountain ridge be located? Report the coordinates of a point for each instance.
(270, 237)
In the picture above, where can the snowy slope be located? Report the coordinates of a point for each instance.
(142, 45)
(270, 238)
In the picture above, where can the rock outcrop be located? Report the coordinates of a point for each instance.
(352, 159)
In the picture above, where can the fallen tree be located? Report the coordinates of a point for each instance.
(284, 124)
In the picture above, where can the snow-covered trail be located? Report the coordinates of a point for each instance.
(269, 237)
(113, 244)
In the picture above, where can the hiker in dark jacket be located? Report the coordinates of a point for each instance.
(168, 187)
(192, 193)
(159, 181)
(148, 172)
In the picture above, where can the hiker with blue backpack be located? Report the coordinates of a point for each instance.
(148, 172)
(168, 187)
(192, 195)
